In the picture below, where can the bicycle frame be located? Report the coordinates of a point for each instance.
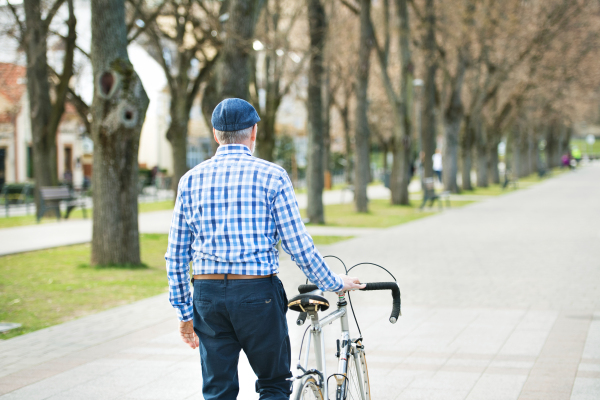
(344, 345)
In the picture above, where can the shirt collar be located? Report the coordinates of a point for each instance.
(227, 149)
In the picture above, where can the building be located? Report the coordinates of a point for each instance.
(16, 154)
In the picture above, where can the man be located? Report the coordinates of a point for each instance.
(230, 213)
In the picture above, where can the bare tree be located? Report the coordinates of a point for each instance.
(47, 91)
(179, 37)
(361, 124)
(118, 111)
(315, 171)
(276, 70)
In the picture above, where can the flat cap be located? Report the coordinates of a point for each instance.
(234, 115)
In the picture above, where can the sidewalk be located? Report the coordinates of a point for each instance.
(501, 301)
(38, 237)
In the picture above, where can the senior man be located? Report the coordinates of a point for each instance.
(230, 213)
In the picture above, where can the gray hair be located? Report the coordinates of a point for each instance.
(232, 137)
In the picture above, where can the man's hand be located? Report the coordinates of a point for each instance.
(186, 330)
(351, 283)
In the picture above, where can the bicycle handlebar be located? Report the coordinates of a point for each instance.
(393, 286)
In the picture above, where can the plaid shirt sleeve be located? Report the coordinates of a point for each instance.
(178, 256)
(297, 242)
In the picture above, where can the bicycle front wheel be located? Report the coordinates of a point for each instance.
(357, 386)
(309, 391)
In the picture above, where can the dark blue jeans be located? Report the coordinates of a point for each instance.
(233, 315)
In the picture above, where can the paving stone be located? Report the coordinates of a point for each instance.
(500, 301)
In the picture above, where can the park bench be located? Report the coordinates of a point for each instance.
(50, 198)
(430, 195)
(15, 194)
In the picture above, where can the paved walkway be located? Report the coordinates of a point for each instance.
(64, 233)
(501, 300)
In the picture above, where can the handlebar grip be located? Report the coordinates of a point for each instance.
(301, 318)
(393, 286)
(307, 288)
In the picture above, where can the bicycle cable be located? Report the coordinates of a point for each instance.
(302, 344)
(349, 297)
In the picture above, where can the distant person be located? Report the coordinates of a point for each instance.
(566, 161)
(576, 153)
(437, 164)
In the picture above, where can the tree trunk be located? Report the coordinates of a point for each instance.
(429, 126)
(402, 141)
(38, 90)
(550, 146)
(265, 139)
(210, 99)
(361, 132)
(118, 110)
(234, 71)
(532, 148)
(482, 155)
(315, 170)
(177, 136)
(467, 153)
(453, 118)
(326, 128)
(494, 172)
(347, 143)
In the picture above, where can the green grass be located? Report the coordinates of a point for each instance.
(325, 240)
(586, 148)
(381, 214)
(11, 222)
(497, 190)
(47, 287)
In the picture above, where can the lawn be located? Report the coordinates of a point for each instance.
(381, 214)
(47, 287)
(75, 214)
(325, 240)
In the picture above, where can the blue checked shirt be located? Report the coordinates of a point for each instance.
(229, 215)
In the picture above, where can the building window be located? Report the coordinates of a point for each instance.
(68, 171)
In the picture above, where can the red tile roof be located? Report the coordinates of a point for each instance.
(12, 81)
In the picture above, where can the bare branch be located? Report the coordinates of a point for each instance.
(18, 21)
(52, 12)
(202, 75)
(354, 8)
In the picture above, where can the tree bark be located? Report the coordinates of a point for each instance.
(482, 154)
(402, 141)
(429, 126)
(532, 148)
(210, 99)
(234, 71)
(344, 112)
(177, 135)
(361, 128)
(315, 171)
(45, 115)
(265, 140)
(468, 138)
(118, 110)
(326, 125)
(494, 173)
(453, 119)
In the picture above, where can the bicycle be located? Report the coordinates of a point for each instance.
(352, 377)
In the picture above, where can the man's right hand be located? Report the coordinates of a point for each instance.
(351, 283)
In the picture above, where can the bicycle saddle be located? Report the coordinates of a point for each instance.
(311, 301)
